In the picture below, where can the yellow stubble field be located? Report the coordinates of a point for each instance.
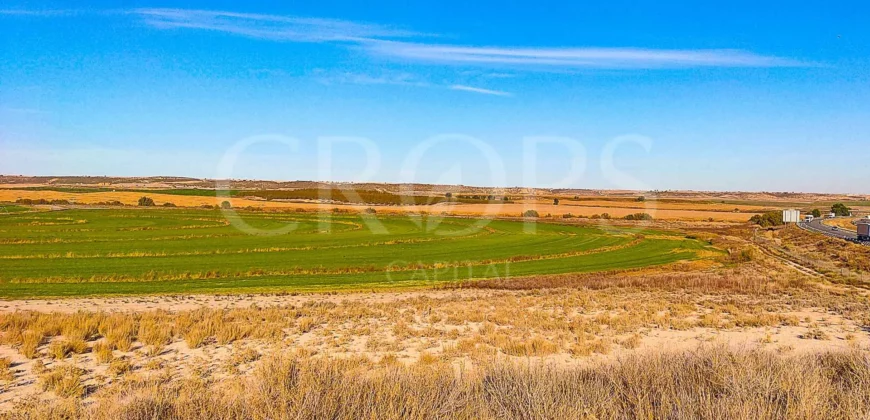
(501, 210)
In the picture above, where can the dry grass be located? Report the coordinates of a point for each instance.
(64, 380)
(842, 223)
(120, 367)
(102, 352)
(62, 348)
(30, 344)
(195, 337)
(711, 383)
(6, 374)
(852, 261)
(119, 331)
(154, 335)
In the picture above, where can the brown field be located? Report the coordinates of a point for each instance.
(508, 210)
(700, 205)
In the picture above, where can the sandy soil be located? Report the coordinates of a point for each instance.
(840, 334)
(192, 302)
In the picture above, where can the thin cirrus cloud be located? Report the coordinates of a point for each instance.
(391, 42)
(396, 43)
(271, 27)
(480, 90)
(400, 79)
(542, 58)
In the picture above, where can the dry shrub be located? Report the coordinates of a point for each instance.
(155, 336)
(102, 352)
(120, 367)
(535, 346)
(631, 342)
(196, 337)
(64, 380)
(62, 348)
(709, 383)
(34, 407)
(30, 344)
(6, 374)
(815, 334)
(38, 367)
(120, 332)
(587, 347)
(80, 326)
(154, 364)
(427, 358)
(305, 324)
(246, 355)
(229, 332)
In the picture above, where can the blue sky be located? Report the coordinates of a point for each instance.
(751, 96)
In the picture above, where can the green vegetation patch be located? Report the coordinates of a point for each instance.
(12, 208)
(143, 251)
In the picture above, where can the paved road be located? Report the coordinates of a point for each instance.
(817, 226)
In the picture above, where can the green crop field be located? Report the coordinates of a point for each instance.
(147, 251)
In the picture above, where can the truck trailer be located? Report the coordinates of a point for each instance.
(864, 230)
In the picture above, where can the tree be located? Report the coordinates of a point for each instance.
(840, 209)
(817, 213)
(226, 205)
(530, 213)
(772, 218)
(146, 202)
(641, 199)
(555, 201)
(448, 195)
(638, 216)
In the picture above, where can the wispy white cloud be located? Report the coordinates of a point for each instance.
(406, 46)
(542, 58)
(271, 27)
(480, 90)
(385, 41)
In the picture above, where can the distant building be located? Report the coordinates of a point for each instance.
(791, 216)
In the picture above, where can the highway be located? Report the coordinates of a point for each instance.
(817, 226)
